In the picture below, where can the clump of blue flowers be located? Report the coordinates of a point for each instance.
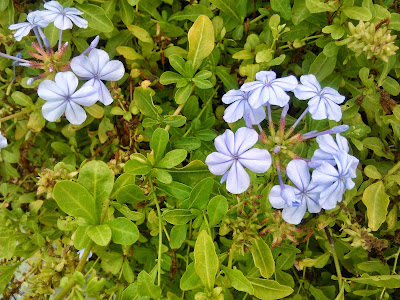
(59, 86)
(312, 183)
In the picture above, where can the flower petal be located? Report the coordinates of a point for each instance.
(51, 111)
(50, 91)
(317, 108)
(275, 198)
(266, 76)
(99, 58)
(325, 174)
(277, 96)
(114, 70)
(333, 111)
(298, 173)
(53, 6)
(256, 160)
(304, 92)
(72, 11)
(288, 83)
(74, 113)
(294, 214)
(218, 163)
(333, 95)
(82, 66)
(78, 21)
(245, 138)
(238, 180)
(62, 22)
(256, 115)
(332, 195)
(225, 143)
(234, 112)
(251, 86)
(67, 82)
(23, 31)
(86, 96)
(311, 82)
(233, 96)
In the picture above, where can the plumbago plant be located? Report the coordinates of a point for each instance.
(210, 149)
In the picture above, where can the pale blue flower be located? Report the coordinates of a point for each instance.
(324, 102)
(328, 148)
(336, 180)
(63, 18)
(239, 108)
(61, 96)
(296, 200)
(33, 20)
(234, 155)
(3, 141)
(97, 67)
(80, 253)
(269, 89)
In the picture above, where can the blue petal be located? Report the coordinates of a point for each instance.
(233, 96)
(256, 160)
(298, 173)
(275, 197)
(238, 180)
(225, 143)
(75, 114)
(218, 163)
(234, 111)
(245, 138)
(294, 214)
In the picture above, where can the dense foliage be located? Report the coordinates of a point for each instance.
(113, 199)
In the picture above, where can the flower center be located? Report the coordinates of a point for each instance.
(235, 157)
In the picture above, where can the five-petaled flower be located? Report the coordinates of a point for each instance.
(97, 67)
(324, 102)
(63, 17)
(295, 200)
(33, 20)
(328, 148)
(269, 89)
(234, 155)
(61, 96)
(240, 108)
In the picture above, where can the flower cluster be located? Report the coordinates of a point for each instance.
(61, 94)
(333, 167)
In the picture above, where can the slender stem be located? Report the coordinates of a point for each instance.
(176, 112)
(37, 37)
(23, 112)
(335, 257)
(230, 258)
(14, 58)
(207, 224)
(290, 131)
(394, 169)
(257, 19)
(60, 39)
(160, 232)
(393, 272)
(270, 122)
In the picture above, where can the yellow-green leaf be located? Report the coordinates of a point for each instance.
(263, 259)
(376, 201)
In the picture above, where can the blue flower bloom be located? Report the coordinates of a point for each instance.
(239, 108)
(234, 155)
(80, 253)
(97, 67)
(63, 17)
(336, 180)
(295, 200)
(62, 97)
(3, 141)
(324, 102)
(33, 20)
(268, 89)
(328, 148)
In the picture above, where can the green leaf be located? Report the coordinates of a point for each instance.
(375, 144)
(226, 78)
(322, 66)
(187, 143)
(144, 103)
(140, 33)
(7, 16)
(100, 234)
(131, 194)
(158, 143)
(162, 175)
(174, 121)
(228, 7)
(387, 281)
(3, 4)
(243, 54)
(129, 53)
(372, 172)
(190, 280)
(81, 239)
(282, 6)
(146, 286)
(357, 13)
(269, 289)
(178, 216)
(217, 209)
(124, 232)
(205, 260)
(182, 94)
(318, 6)
(177, 236)
(126, 12)
(391, 85)
(202, 84)
(8, 244)
(376, 201)
(96, 17)
(263, 259)
(75, 200)
(172, 159)
(97, 178)
(200, 195)
(122, 180)
(6, 273)
(21, 99)
(169, 77)
(191, 12)
(178, 63)
(201, 40)
(138, 165)
(238, 280)
(300, 12)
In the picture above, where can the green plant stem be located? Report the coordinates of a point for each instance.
(177, 111)
(84, 257)
(257, 19)
(393, 271)
(395, 168)
(23, 112)
(160, 232)
(335, 257)
(230, 259)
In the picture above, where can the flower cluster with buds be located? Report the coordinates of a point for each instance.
(48, 178)
(60, 88)
(334, 168)
(374, 42)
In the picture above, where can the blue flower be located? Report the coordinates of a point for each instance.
(3, 141)
(336, 180)
(80, 253)
(268, 89)
(328, 148)
(62, 97)
(234, 155)
(324, 102)
(239, 108)
(295, 200)
(97, 67)
(63, 17)
(34, 19)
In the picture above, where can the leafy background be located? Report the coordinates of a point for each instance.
(131, 185)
